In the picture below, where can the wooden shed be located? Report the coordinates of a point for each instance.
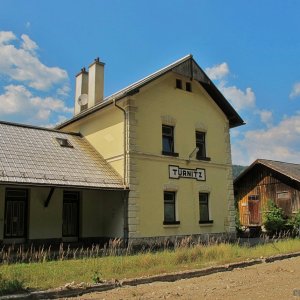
(267, 180)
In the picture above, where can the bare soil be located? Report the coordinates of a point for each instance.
(277, 280)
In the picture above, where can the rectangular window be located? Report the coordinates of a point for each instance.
(170, 208)
(203, 208)
(253, 197)
(188, 86)
(179, 84)
(283, 195)
(168, 140)
(200, 144)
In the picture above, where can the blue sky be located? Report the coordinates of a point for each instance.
(250, 49)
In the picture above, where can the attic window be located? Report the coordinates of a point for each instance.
(188, 86)
(64, 143)
(179, 84)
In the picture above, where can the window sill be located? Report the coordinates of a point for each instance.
(204, 158)
(174, 154)
(209, 222)
(171, 223)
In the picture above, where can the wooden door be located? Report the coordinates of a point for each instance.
(254, 215)
(15, 217)
(70, 214)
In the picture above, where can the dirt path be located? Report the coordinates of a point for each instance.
(276, 280)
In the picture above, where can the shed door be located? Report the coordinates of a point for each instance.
(254, 216)
(70, 214)
(15, 213)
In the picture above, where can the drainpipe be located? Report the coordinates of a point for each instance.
(125, 182)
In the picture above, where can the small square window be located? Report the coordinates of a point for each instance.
(179, 84)
(188, 86)
(253, 197)
(64, 142)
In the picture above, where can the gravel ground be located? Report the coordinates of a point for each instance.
(277, 280)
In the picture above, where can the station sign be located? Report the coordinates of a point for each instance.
(175, 172)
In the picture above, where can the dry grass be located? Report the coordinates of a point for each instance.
(111, 265)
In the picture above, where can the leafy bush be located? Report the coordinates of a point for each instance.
(294, 223)
(274, 219)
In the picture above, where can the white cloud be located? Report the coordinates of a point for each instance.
(32, 90)
(22, 64)
(218, 71)
(295, 91)
(28, 44)
(6, 36)
(64, 90)
(239, 99)
(18, 100)
(28, 24)
(280, 142)
(266, 117)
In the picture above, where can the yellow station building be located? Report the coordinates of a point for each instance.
(165, 145)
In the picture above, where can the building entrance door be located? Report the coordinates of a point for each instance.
(254, 216)
(70, 226)
(15, 216)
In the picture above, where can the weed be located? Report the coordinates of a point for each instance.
(96, 277)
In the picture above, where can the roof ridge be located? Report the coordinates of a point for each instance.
(154, 74)
(37, 128)
(278, 161)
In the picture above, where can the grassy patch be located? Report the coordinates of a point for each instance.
(50, 274)
(10, 286)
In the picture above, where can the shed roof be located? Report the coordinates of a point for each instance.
(33, 156)
(289, 170)
(185, 66)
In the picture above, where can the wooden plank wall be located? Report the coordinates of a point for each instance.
(260, 181)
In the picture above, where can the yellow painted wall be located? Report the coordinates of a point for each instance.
(189, 111)
(45, 222)
(104, 131)
(113, 218)
(154, 180)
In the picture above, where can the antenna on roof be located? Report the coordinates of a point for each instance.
(82, 99)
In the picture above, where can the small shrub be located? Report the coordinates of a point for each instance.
(96, 278)
(274, 220)
(294, 223)
(10, 286)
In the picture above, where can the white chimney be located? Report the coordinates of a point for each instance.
(81, 88)
(96, 83)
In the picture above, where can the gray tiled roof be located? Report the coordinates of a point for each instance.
(32, 155)
(289, 170)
